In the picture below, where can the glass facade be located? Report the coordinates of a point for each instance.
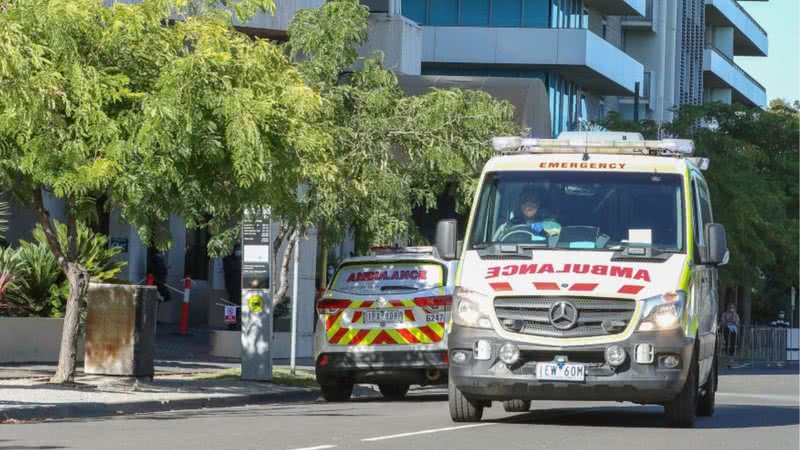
(567, 102)
(497, 13)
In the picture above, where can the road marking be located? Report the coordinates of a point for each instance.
(318, 447)
(789, 398)
(435, 430)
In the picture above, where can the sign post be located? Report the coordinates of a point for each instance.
(256, 298)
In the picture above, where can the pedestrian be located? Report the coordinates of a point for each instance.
(158, 264)
(780, 322)
(730, 328)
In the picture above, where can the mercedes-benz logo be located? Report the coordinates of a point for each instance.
(382, 302)
(563, 315)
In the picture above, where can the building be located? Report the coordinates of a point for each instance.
(593, 56)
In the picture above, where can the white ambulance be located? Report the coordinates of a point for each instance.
(383, 321)
(588, 272)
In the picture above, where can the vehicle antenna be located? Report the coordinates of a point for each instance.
(586, 148)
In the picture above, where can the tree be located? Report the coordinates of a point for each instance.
(392, 153)
(753, 182)
(193, 118)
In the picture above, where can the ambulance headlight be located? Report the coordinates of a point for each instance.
(470, 309)
(663, 312)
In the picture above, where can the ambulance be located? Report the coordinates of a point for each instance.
(383, 321)
(588, 272)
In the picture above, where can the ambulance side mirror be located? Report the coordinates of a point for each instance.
(446, 238)
(716, 245)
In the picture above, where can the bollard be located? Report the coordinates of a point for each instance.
(185, 307)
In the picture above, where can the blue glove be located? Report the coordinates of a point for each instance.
(537, 228)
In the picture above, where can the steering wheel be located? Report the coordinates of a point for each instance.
(519, 234)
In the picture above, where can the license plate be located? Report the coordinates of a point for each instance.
(567, 372)
(434, 317)
(383, 316)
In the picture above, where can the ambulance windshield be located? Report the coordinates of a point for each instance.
(580, 210)
(388, 278)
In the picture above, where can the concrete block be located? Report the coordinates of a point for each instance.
(120, 330)
(32, 340)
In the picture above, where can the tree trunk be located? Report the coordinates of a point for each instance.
(78, 280)
(283, 278)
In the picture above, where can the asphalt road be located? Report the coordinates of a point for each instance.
(755, 410)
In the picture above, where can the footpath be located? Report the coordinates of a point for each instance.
(185, 378)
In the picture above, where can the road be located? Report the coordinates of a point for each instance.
(755, 410)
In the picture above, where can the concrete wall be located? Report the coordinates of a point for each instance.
(31, 339)
(400, 40)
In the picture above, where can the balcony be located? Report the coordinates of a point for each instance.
(749, 38)
(643, 22)
(645, 91)
(617, 7)
(576, 54)
(719, 71)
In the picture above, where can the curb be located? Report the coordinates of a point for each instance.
(83, 410)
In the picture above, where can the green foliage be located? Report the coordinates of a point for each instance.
(4, 213)
(94, 254)
(392, 153)
(10, 269)
(753, 180)
(38, 286)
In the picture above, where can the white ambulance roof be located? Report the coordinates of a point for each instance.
(594, 163)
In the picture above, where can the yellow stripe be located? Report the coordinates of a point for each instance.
(409, 303)
(348, 336)
(398, 338)
(355, 304)
(438, 329)
(370, 337)
(335, 327)
(421, 337)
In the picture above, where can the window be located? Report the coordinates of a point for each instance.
(702, 206)
(506, 13)
(536, 13)
(605, 27)
(593, 210)
(416, 10)
(443, 12)
(474, 12)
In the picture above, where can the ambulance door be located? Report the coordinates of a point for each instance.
(704, 278)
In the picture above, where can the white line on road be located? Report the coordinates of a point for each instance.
(435, 430)
(788, 398)
(319, 447)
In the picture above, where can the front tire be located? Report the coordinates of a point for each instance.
(680, 412)
(394, 391)
(707, 401)
(463, 409)
(517, 405)
(338, 390)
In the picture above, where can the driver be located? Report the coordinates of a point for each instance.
(541, 224)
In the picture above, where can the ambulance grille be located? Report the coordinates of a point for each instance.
(595, 316)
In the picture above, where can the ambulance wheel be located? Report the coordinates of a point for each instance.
(681, 411)
(337, 390)
(393, 391)
(707, 400)
(463, 409)
(517, 405)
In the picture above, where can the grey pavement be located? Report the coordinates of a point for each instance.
(756, 409)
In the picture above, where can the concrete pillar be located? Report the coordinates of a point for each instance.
(722, 39)
(399, 39)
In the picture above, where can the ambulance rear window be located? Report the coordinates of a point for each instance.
(388, 278)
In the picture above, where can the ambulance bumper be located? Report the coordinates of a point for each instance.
(412, 367)
(641, 383)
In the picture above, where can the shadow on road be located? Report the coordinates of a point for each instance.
(725, 417)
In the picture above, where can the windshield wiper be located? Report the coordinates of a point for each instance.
(400, 288)
(640, 251)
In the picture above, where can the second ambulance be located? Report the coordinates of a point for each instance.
(588, 272)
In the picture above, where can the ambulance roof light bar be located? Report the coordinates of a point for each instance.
(418, 250)
(512, 145)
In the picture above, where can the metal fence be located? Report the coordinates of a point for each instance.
(757, 345)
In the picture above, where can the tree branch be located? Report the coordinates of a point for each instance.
(52, 238)
(283, 279)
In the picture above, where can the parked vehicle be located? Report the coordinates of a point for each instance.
(589, 272)
(383, 321)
